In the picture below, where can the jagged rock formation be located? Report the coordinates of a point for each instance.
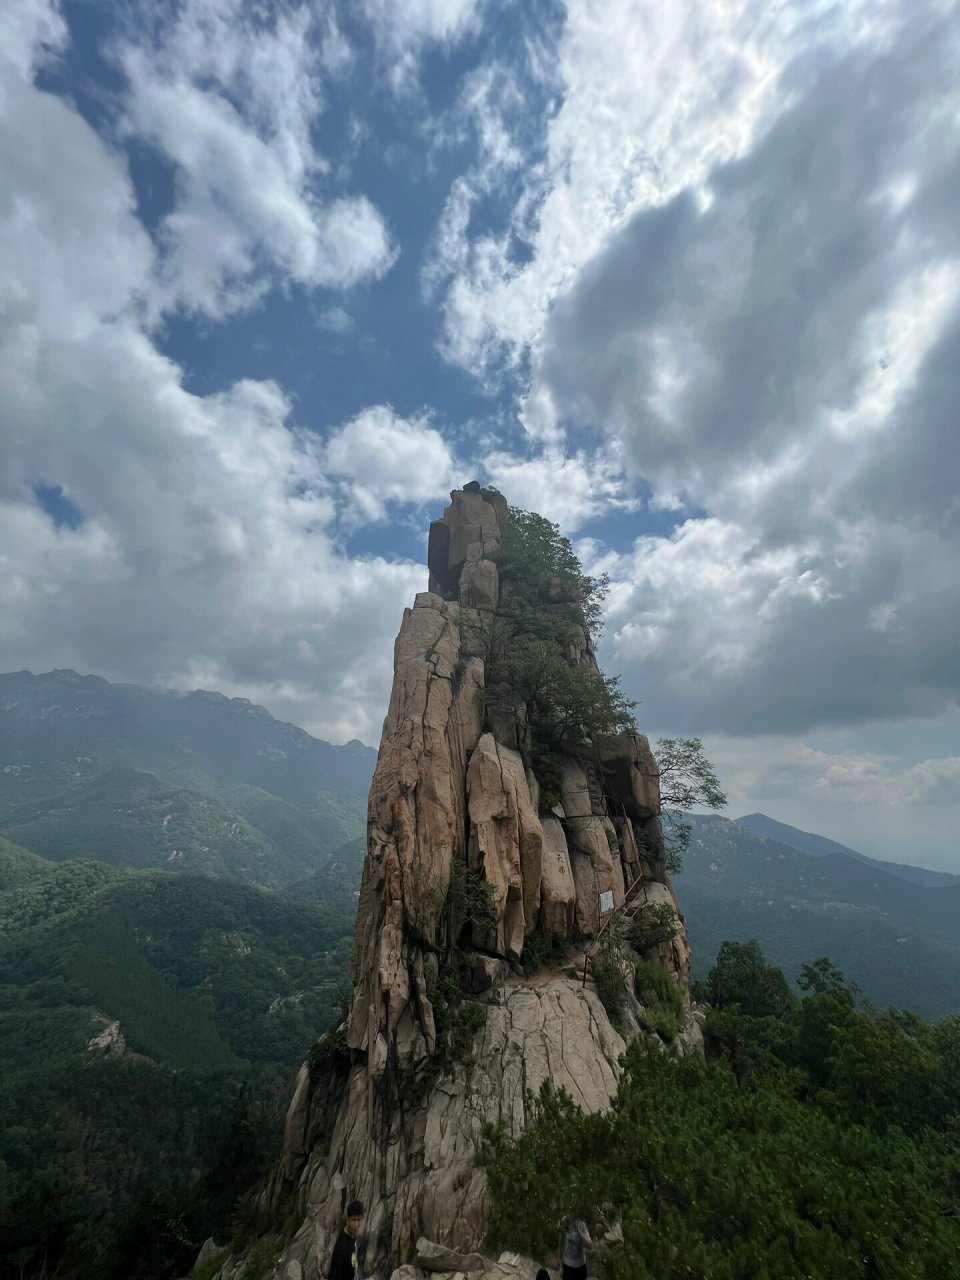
(470, 854)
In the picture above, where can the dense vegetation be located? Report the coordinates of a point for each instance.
(120, 1170)
(123, 1167)
(547, 603)
(821, 1140)
(194, 783)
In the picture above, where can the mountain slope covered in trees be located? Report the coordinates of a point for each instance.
(898, 941)
(181, 782)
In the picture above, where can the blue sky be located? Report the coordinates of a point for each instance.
(275, 276)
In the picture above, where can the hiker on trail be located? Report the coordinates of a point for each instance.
(573, 1257)
(343, 1264)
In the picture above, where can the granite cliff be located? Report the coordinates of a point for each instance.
(495, 840)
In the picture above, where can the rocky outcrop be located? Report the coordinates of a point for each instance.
(476, 844)
(110, 1041)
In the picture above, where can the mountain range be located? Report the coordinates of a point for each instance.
(185, 782)
(891, 930)
(178, 888)
(97, 776)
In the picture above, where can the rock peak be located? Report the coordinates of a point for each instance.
(493, 832)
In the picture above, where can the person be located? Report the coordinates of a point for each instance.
(573, 1257)
(343, 1264)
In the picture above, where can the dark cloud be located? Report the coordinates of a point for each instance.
(787, 353)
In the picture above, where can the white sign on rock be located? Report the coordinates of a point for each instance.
(606, 902)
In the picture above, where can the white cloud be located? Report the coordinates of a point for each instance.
(335, 320)
(381, 458)
(31, 31)
(403, 30)
(567, 489)
(652, 98)
(205, 552)
(231, 102)
(744, 273)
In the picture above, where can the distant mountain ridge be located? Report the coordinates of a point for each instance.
(899, 941)
(819, 846)
(193, 782)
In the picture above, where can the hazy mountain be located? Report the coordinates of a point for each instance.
(818, 847)
(192, 782)
(899, 941)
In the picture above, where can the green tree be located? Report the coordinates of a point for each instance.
(687, 779)
(836, 1154)
(742, 978)
(541, 668)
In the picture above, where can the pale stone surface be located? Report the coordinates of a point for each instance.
(479, 585)
(558, 893)
(506, 839)
(110, 1041)
(593, 835)
(438, 1257)
(415, 826)
(209, 1249)
(416, 1173)
(574, 790)
(295, 1148)
(587, 902)
(631, 854)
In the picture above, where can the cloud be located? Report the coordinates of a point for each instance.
(381, 458)
(231, 102)
(641, 103)
(31, 32)
(403, 31)
(335, 320)
(744, 272)
(774, 769)
(203, 551)
(567, 489)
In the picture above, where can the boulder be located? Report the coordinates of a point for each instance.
(596, 837)
(295, 1147)
(437, 1257)
(485, 973)
(209, 1249)
(472, 522)
(479, 585)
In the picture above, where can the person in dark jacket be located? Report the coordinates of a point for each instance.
(343, 1264)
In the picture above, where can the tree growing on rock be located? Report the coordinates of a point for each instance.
(543, 669)
(687, 779)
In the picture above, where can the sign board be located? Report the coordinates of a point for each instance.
(606, 902)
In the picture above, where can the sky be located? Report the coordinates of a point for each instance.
(276, 276)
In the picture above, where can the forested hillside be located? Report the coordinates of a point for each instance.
(192, 782)
(155, 999)
(898, 940)
(817, 1141)
(151, 1025)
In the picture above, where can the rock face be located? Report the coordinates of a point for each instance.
(110, 1041)
(470, 853)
